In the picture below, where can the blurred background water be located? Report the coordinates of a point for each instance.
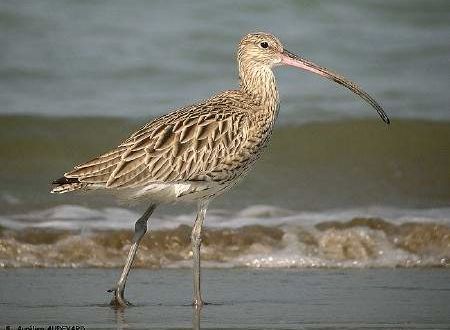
(140, 58)
(76, 77)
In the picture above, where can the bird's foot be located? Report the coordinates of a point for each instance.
(198, 303)
(118, 300)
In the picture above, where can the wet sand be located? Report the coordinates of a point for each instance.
(241, 299)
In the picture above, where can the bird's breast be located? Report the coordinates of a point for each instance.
(258, 136)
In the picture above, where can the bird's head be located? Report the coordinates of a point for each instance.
(264, 51)
(260, 49)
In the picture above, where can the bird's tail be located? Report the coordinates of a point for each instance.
(65, 184)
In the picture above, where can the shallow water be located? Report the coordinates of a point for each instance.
(241, 299)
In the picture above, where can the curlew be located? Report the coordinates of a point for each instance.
(199, 151)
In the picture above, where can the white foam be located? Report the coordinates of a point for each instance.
(301, 244)
(77, 217)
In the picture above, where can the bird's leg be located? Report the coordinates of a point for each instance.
(196, 240)
(140, 228)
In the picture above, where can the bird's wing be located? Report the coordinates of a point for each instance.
(189, 145)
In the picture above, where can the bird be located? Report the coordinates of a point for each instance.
(197, 152)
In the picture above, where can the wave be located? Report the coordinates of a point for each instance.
(313, 166)
(258, 236)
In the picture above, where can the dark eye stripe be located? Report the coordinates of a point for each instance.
(264, 44)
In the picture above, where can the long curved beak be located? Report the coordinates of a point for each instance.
(289, 58)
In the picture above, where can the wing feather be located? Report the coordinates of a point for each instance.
(194, 143)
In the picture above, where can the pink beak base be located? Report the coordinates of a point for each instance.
(291, 59)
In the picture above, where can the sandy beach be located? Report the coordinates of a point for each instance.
(240, 299)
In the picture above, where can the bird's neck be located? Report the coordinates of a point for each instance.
(260, 85)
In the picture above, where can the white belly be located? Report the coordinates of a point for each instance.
(167, 193)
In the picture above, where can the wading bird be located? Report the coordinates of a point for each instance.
(197, 152)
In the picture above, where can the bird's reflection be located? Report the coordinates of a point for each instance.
(121, 322)
(196, 315)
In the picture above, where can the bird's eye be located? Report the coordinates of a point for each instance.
(264, 44)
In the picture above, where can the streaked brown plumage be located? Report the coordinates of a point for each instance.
(199, 151)
(205, 144)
